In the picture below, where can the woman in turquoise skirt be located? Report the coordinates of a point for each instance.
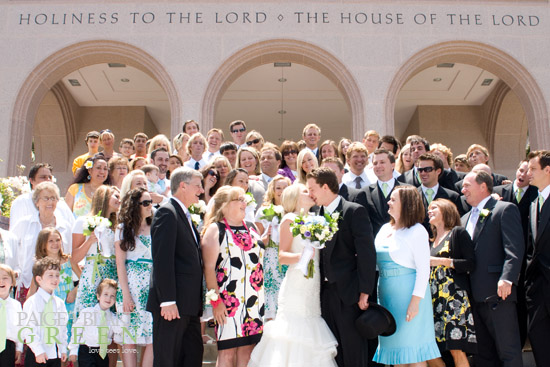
(403, 259)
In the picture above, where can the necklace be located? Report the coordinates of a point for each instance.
(45, 224)
(242, 240)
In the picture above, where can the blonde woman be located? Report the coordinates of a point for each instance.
(159, 141)
(306, 163)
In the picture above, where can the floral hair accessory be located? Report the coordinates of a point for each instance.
(89, 164)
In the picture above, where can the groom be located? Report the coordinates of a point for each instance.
(348, 265)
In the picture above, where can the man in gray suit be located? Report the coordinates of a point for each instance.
(495, 228)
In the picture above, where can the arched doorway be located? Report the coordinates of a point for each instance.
(517, 86)
(45, 77)
(284, 50)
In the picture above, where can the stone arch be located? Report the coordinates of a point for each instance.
(487, 57)
(45, 76)
(284, 50)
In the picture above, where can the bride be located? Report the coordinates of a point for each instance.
(298, 336)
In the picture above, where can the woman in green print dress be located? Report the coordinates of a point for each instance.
(99, 254)
(274, 272)
(134, 263)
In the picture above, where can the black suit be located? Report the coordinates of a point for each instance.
(348, 265)
(409, 178)
(499, 252)
(177, 276)
(537, 282)
(450, 177)
(508, 195)
(348, 193)
(377, 205)
(442, 193)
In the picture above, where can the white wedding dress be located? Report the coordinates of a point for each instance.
(298, 337)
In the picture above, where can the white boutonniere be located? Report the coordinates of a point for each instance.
(484, 214)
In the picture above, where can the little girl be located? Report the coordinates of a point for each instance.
(49, 244)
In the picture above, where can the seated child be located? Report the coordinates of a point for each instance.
(45, 318)
(152, 173)
(93, 330)
(11, 347)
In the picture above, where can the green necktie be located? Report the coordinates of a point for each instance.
(518, 194)
(541, 202)
(48, 318)
(103, 345)
(3, 325)
(385, 189)
(429, 195)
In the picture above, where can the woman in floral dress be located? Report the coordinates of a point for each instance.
(99, 253)
(267, 221)
(134, 263)
(233, 268)
(452, 257)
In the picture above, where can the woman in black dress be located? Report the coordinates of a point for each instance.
(452, 258)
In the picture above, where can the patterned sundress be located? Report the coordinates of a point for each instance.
(99, 265)
(453, 318)
(239, 271)
(274, 272)
(137, 325)
(65, 286)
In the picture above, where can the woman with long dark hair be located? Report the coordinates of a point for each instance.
(289, 151)
(210, 182)
(94, 173)
(134, 263)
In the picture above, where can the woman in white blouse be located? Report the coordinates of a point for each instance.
(403, 259)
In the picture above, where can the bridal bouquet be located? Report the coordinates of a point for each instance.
(197, 212)
(271, 216)
(95, 221)
(316, 230)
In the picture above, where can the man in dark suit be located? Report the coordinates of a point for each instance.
(419, 146)
(336, 165)
(430, 168)
(495, 228)
(175, 296)
(537, 274)
(311, 135)
(521, 194)
(378, 194)
(348, 265)
(478, 154)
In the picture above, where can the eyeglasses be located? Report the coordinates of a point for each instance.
(241, 199)
(122, 168)
(494, 301)
(241, 130)
(255, 141)
(146, 203)
(425, 169)
(105, 131)
(49, 198)
(212, 173)
(288, 152)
